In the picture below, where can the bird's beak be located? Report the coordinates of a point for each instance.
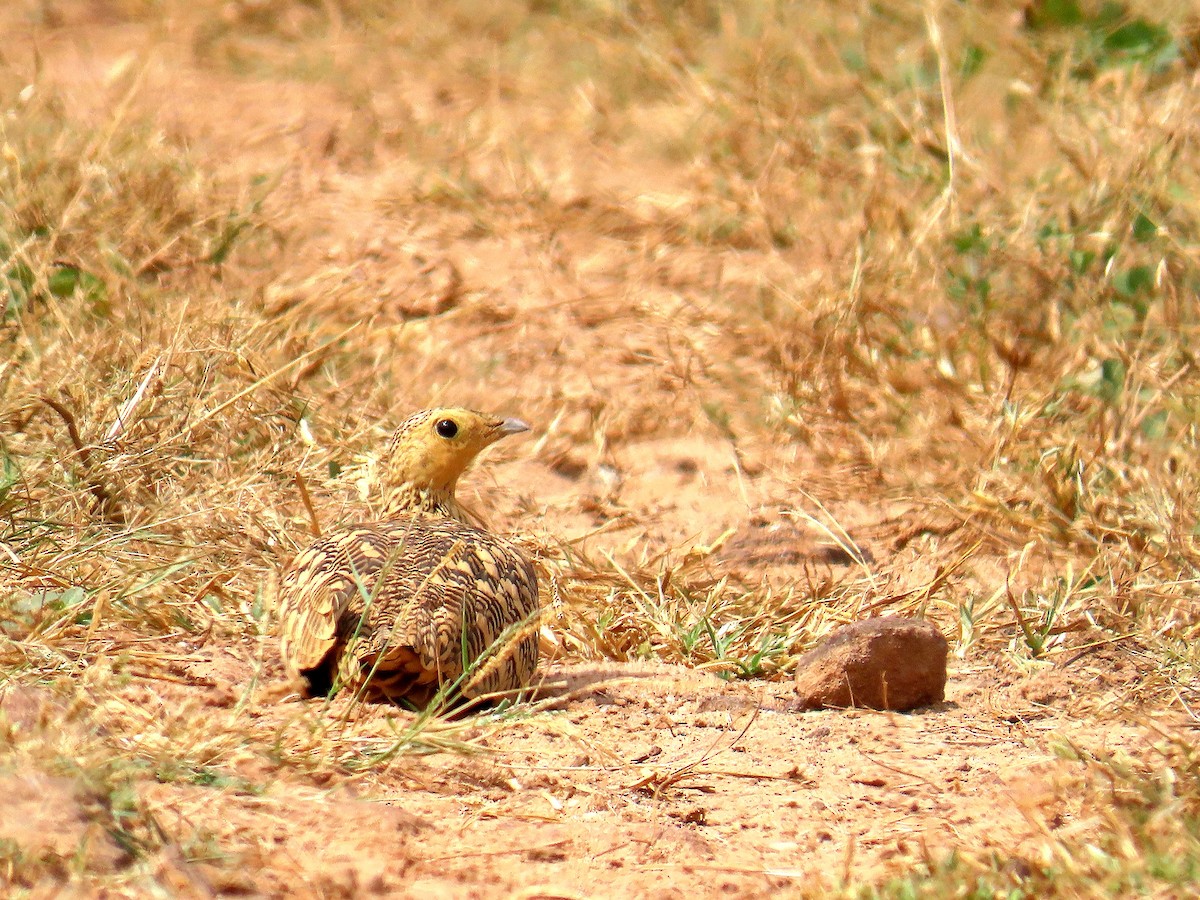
(512, 426)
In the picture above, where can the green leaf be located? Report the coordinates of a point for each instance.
(233, 230)
(1112, 379)
(973, 59)
(65, 280)
(1137, 38)
(983, 287)
(19, 275)
(1048, 232)
(1081, 260)
(1131, 282)
(1054, 13)
(970, 240)
(1143, 229)
(1136, 41)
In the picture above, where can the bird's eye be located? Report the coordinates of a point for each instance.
(447, 428)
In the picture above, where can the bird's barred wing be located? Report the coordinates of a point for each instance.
(503, 635)
(459, 592)
(412, 601)
(328, 587)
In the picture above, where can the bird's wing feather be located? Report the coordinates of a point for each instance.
(415, 595)
(323, 596)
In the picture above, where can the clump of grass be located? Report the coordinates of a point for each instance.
(680, 612)
(1148, 813)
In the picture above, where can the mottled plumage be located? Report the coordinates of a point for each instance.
(399, 607)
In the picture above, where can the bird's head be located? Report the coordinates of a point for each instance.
(429, 452)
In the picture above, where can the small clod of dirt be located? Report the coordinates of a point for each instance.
(768, 543)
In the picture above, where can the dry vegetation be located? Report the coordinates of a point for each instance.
(821, 310)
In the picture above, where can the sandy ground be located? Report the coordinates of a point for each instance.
(637, 779)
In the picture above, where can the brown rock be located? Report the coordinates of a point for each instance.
(885, 663)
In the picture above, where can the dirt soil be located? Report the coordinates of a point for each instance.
(638, 779)
(647, 780)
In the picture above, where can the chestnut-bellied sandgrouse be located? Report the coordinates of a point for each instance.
(404, 606)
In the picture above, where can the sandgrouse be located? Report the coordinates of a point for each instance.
(398, 608)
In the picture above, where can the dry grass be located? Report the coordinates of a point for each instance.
(939, 259)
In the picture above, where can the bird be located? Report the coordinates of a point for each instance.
(399, 609)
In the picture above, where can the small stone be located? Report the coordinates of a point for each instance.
(885, 663)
